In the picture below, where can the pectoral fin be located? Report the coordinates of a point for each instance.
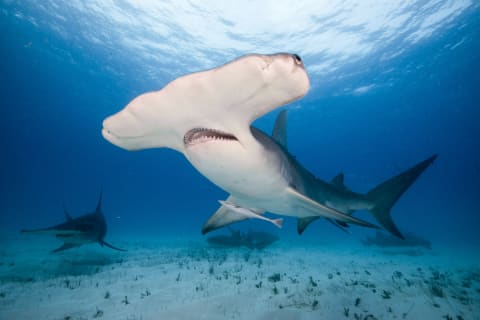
(303, 223)
(340, 225)
(222, 217)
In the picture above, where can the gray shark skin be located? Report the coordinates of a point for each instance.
(88, 228)
(207, 117)
(386, 241)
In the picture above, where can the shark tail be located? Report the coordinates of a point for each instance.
(386, 194)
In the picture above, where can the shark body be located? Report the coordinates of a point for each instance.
(88, 228)
(207, 116)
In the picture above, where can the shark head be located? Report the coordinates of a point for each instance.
(210, 106)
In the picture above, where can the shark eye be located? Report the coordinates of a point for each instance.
(297, 58)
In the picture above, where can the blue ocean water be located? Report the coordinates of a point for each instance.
(392, 83)
(390, 87)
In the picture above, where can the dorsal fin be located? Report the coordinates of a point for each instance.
(99, 204)
(337, 181)
(279, 132)
(68, 217)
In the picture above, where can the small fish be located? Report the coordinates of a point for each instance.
(248, 213)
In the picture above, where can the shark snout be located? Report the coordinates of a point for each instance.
(121, 125)
(122, 130)
(108, 133)
(109, 136)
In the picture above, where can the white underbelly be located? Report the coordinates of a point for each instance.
(251, 172)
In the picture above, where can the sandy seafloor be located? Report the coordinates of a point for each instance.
(187, 279)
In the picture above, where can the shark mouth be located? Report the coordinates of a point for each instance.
(201, 135)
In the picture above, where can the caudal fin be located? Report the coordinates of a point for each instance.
(387, 193)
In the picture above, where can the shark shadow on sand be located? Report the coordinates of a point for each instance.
(252, 239)
(88, 228)
(383, 240)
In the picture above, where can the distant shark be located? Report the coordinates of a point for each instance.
(207, 117)
(79, 231)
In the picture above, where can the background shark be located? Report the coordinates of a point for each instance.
(75, 232)
(207, 117)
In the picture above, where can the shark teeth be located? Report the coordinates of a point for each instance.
(201, 135)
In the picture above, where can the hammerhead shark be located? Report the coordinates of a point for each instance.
(78, 231)
(207, 117)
